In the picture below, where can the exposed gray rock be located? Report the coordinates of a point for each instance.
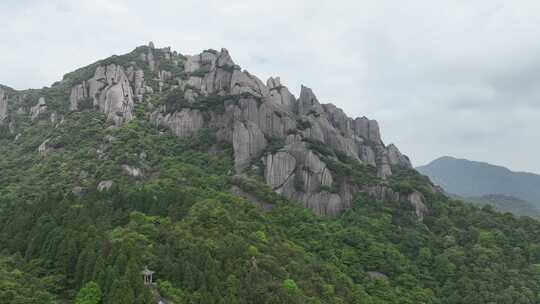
(136, 78)
(111, 92)
(396, 158)
(192, 63)
(416, 199)
(183, 123)
(384, 170)
(374, 275)
(150, 58)
(323, 203)
(279, 94)
(39, 108)
(382, 193)
(299, 174)
(248, 142)
(56, 118)
(44, 148)
(368, 129)
(262, 113)
(3, 105)
(279, 168)
(272, 119)
(114, 95)
(132, 171)
(308, 102)
(104, 185)
(243, 82)
(78, 92)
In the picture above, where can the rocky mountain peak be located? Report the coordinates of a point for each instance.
(304, 149)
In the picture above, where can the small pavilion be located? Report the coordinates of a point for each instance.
(147, 276)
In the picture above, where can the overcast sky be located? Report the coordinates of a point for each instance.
(459, 78)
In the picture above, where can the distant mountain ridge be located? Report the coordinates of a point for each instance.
(505, 203)
(475, 179)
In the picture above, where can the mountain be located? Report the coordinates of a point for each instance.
(472, 179)
(230, 190)
(504, 203)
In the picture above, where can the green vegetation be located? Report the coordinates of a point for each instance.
(208, 245)
(504, 203)
(22, 282)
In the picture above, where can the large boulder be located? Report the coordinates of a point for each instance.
(183, 123)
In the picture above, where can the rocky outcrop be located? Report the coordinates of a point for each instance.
(39, 108)
(243, 82)
(416, 199)
(375, 275)
(183, 123)
(308, 104)
(384, 193)
(110, 91)
(3, 105)
(292, 140)
(44, 148)
(248, 142)
(105, 185)
(279, 169)
(265, 114)
(396, 158)
(299, 174)
(132, 171)
(279, 94)
(136, 78)
(78, 93)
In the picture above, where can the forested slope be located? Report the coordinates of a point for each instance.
(93, 193)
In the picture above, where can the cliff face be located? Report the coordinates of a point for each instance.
(3, 105)
(302, 148)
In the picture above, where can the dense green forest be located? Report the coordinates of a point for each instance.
(208, 245)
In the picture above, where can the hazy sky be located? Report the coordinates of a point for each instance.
(459, 78)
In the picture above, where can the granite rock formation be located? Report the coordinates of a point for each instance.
(292, 142)
(3, 105)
